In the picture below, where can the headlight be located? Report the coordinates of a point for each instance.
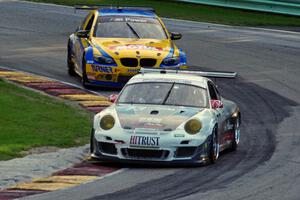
(107, 122)
(171, 61)
(104, 60)
(193, 126)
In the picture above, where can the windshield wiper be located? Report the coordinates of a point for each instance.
(168, 94)
(132, 29)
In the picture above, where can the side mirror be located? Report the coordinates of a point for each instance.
(215, 104)
(113, 98)
(82, 34)
(78, 28)
(176, 36)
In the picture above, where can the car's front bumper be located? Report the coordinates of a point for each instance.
(174, 154)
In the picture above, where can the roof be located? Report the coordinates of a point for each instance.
(126, 12)
(178, 78)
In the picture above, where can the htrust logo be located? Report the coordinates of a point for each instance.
(144, 141)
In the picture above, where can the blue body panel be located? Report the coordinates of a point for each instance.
(89, 56)
(127, 12)
(182, 56)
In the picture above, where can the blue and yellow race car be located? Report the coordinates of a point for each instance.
(113, 43)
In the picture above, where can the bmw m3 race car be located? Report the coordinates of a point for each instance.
(167, 117)
(113, 43)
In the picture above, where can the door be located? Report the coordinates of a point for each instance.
(82, 43)
(220, 112)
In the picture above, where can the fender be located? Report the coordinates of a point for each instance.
(89, 55)
(182, 56)
(71, 42)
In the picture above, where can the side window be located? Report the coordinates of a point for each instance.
(90, 23)
(217, 92)
(212, 91)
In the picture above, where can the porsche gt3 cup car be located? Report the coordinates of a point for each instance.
(169, 117)
(113, 43)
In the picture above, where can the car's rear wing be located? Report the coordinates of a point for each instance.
(208, 74)
(99, 6)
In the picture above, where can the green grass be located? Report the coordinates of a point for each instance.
(196, 12)
(29, 119)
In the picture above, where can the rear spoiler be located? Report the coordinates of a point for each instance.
(98, 6)
(208, 74)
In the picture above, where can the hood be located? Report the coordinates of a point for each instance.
(161, 118)
(147, 48)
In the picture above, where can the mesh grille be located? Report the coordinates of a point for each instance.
(129, 62)
(147, 62)
(145, 153)
(107, 148)
(185, 152)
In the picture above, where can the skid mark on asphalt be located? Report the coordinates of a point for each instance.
(84, 172)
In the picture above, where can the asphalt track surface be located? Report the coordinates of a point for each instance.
(267, 164)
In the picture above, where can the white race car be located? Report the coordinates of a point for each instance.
(165, 116)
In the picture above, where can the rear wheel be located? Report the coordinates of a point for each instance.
(214, 148)
(71, 65)
(237, 132)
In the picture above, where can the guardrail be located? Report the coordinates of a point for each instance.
(288, 7)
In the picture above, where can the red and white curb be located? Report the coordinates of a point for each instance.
(84, 172)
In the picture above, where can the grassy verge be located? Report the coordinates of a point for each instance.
(168, 8)
(29, 119)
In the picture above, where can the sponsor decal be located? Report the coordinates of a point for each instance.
(89, 62)
(98, 68)
(136, 47)
(129, 19)
(171, 81)
(179, 135)
(149, 120)
(144, 141)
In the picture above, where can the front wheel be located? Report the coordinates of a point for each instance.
(92, 141)
(214, 148)
(71, 65)
(84, 80)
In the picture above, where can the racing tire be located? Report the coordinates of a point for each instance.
(71, 65)
(214, 147)
(92, 141)
(237, 132)
(84, 79)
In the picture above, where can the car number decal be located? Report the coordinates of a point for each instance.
(145, 141)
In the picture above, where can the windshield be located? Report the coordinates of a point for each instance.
(129, 27)
(164, 94)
